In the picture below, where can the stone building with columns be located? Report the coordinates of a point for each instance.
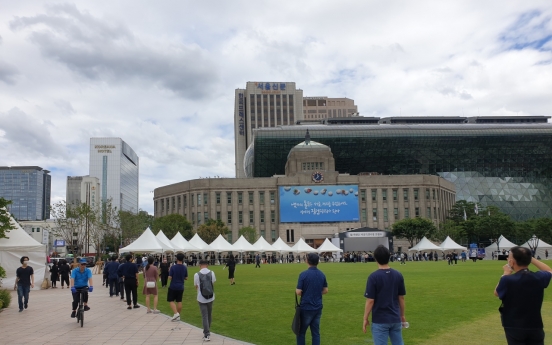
(312, 200)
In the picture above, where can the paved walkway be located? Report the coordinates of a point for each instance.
(48, 321)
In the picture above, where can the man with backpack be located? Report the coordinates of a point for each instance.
(204, 283)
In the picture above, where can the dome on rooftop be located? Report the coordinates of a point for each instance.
(311, 146)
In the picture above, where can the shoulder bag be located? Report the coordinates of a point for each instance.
(296, 324)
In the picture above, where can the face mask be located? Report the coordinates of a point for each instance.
(25, 263)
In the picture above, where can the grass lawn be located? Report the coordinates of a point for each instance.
(444, 304)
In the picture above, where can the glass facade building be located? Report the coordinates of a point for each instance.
(29, 189)
(115, 164)
(504, 165)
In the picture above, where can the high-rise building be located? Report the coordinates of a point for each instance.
(319, 108)
(29, 189)
(115, 164)
(263, 104)
(83, 190)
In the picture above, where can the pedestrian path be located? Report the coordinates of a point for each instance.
(48, 321)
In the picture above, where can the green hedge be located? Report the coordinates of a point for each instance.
(5, 298)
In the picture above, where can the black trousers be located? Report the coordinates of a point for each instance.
(524, 336)
(113, 286)
(76, 299)
(122, 288)
(164, 278)
(131, 287)
(65, 278)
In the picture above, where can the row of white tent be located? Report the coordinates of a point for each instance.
(150, 243)
(503, 243)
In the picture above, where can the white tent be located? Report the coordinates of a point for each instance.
(163, 239)
(146, 243)
(541, 248)
(328, 246)
(302, 247)
(263, 246)
(242, 245)
(503, 243)
(281, 246)
(424, 245)
(197, 242)
(220, 244)
(449, 244)
(181, 245)
(19, 244)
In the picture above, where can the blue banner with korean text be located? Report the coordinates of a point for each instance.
(319, 203)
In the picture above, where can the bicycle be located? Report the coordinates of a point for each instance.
(80, 309)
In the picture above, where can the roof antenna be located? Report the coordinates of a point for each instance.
(307, 138)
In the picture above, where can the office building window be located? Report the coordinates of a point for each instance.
(405, 194)
(240, 198)
(363, 214)
(218, 215)
(228, 197)
(262, 216)
(218, 198)
(198, 218)
(263, 234)
(229, 217)
(290, 235)
(192, 198)
(433, 190)
(193, 217)
(229, 237)
(384, 194)
(375, 214)
(363, 195)
(406, 213)
(429, 212)
(427, 193)
(396, 213)
(205, 199)
(178, 201)
(198, 199)
(240, 217)
(273, 235)
(205, 216)
(272, 197)
(272, 216)
(250, 198)
(385, 219)
(394, 195)
(261, 198)
(416, 191)
(374, 194)
(417, 211)
(434, 212)
(251, 217)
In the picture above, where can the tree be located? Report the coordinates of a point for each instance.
(5, 224)
(106, 225)
(133, 225)
(211, 229)
(456, 213)
(451, 229)
(249, 233)
(413, 229)
(71, 224)
(171, 224)
(490, 225)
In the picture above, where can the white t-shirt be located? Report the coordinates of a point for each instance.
(200, 298)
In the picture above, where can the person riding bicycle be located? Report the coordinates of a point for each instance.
(81, 278)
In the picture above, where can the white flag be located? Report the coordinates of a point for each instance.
(465, 217)
(476, 209)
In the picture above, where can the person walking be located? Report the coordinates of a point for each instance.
(64, 271)
(110, 270)
(521, 292)
(54, 274)
(164, 267)
(121, 280)
(150, 279)
(403, 259)
(384, 294)
(204, 282)
(129, 272)
(311, 285)
(231, 264)
(24, 282)
(546, 254)
(257, 261)
(177, 274)
(81, 278)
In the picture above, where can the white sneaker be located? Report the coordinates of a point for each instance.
(176, 317)
(206, 338)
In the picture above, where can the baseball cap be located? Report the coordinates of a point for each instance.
(83, 261)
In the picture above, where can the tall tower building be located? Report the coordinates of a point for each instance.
(115, 164)
(263, 104)
(29, 188)
(84, 190)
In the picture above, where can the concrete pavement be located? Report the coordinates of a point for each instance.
(48, 321)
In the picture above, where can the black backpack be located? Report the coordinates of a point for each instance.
(206, 285)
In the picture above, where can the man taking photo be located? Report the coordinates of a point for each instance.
(522, 292)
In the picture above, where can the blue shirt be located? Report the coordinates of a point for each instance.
(311, 283)
(128, 270)
(111, 269)
(178, 273)
(385, 286)
(81, 278)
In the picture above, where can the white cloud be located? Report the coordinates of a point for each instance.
(162, 76)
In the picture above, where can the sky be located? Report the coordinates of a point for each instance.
(161, 75)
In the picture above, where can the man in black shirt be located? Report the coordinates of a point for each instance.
(164, 272)
(24, 281)
(522, 294)
(129, 272)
